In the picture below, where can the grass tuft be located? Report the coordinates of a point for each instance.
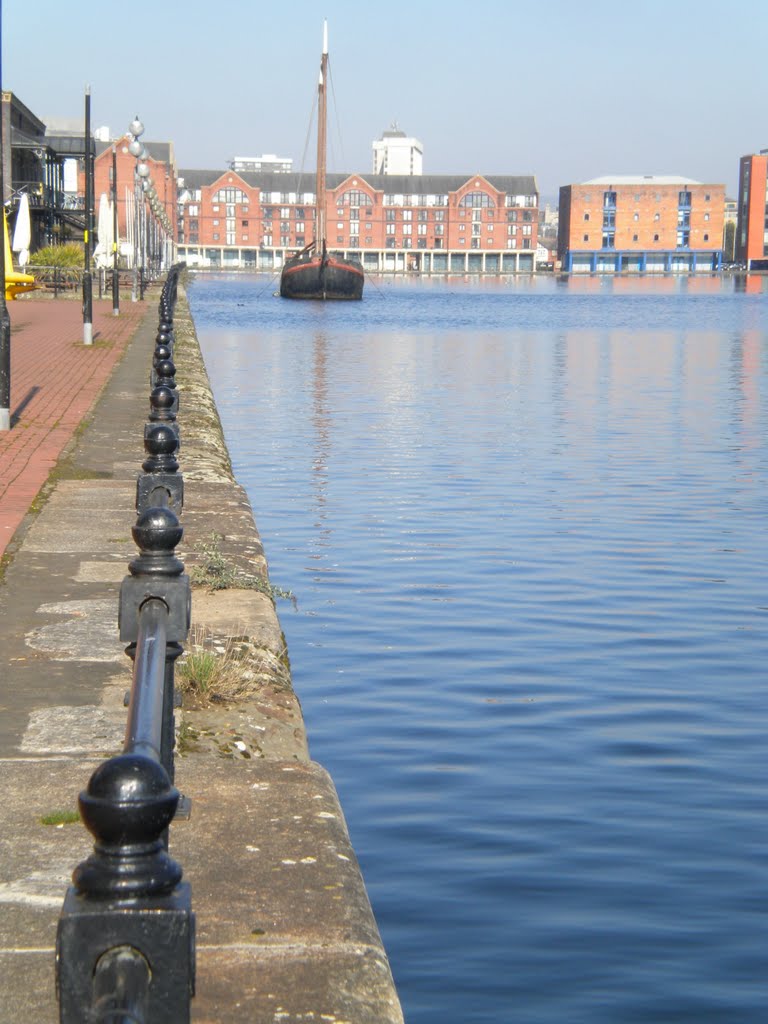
(60, 818)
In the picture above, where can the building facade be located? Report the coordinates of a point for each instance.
(431, 224)
(752, 224)
(397, 153)
(647, 224)
(268, 162)
(142, 236)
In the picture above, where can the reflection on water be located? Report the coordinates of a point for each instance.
(525, 522)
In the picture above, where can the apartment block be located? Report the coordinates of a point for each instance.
(643, 224)
(752, 223)
(426, 223)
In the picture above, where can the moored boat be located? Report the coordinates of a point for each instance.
(316, 273)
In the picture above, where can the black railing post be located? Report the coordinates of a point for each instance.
(125, 942)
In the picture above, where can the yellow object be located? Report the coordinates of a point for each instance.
(15, 282)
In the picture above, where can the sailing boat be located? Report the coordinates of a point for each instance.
(315, 273)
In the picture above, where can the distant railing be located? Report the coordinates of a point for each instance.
(125, 944)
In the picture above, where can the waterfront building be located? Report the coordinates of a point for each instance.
(429, 224)
(397, 153)
(752, 224)
(269, 162)
(642, 224)
(139, 233)
(34, 164)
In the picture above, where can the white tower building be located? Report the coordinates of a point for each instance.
(396, 153)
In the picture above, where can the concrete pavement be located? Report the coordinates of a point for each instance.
(285, 931)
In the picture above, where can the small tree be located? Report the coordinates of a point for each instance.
(729, 242)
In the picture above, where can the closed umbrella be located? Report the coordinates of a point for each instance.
(103, 252)
(22, 232)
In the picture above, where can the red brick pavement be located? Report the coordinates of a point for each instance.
(55, 381)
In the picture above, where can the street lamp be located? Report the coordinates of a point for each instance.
(115, 271)
(5, 319)
(146, 231)
(136, 149)
(87, 281)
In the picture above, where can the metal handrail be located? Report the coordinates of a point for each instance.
(128, 916)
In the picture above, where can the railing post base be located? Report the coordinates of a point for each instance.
(162, 930)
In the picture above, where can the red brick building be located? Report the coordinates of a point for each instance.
(645, 224)
(752, 224)
(427, 223)
(138, 224)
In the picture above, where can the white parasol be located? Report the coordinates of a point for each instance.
(22, 232)
(102, 254)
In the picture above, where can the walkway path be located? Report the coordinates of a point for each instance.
(55, 380)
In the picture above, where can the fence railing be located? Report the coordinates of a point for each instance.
(125, 944)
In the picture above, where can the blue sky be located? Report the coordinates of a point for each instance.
(563, 90)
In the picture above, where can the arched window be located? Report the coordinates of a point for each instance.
(230, 195)
(476, 199)
(354, 197)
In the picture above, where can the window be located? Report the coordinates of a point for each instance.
(390, 229)
(706, 237)
(586, 216)
(684, 199)
(215, 209)
(407, 214)
(390, 214)
(193, 210)
(635, 216)
(285, 212)
(440, 215)
(637, 197)
(300, 226)
(655, 238)
(215, 223)
(527, 229)
(609, 199)
(244, 223)
(657, 216)
(586, 238)
(353, 197)
(706, 197)
(634, 238)
(706, 216)
(473, 200)
(230, 195)
(216, 236)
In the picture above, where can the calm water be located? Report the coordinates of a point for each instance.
(526, 526)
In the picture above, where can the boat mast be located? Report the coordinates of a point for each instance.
(321, 146)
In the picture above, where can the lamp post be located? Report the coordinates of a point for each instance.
(146, 234)
(5, 319)
(136, 149)
(87, 281)
(115, 271)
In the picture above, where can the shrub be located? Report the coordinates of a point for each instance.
(68, 256)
